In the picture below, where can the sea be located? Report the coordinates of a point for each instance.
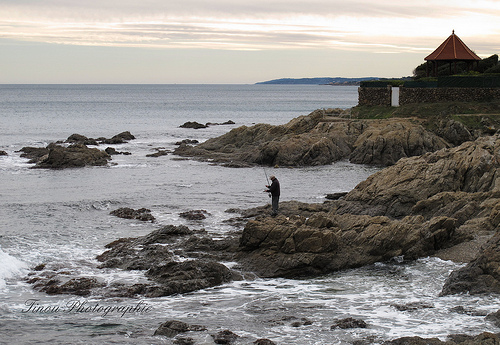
(62, 218)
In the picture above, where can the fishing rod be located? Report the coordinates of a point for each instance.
(265, 173)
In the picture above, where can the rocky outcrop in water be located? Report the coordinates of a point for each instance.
(76, 154)
(456, 339)
(3, 153)
(143, 214)
(318, 139)
(154, 254)
(73, 156)
(120, 138)
(421, 206)
(197, 125)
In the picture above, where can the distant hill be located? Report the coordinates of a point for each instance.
(318, 81)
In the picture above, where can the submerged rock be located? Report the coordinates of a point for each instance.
(349, 323)
(194, 214)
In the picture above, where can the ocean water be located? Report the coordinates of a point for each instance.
(62, 218)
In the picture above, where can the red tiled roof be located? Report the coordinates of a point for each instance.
(453, 48)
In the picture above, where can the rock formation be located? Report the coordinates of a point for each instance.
(318, 139)
(73, 156)
(76, 154)
(417, 207)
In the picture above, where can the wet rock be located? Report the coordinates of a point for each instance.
(457, 339)
(173, 327)
(225, 337)
(412, 306)
(3, 153)
(125, 256)
(194, 214)
(81, 139)
(415, 341)
(187, 276)
(264, 341)
(112, 151)
(302, 322)
(479, 276)
(142, 214)
(468, 311)
(494, 318)
(80, 286)
(335, 196)
(349, 323)
(39, 267)
(193, 125)
(187, 142)
(158, 153)
(73, 156)
(230, 122)
(184, 341)
(293, 246)
(166, 234)
(120, 138)
(34, 153)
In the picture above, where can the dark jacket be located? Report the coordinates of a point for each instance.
(274, 188)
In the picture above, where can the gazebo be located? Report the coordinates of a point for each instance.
(452, 50)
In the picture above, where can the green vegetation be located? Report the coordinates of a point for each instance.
(489, 65)
(483, 116)
(426, 110)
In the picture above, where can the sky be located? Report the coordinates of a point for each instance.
(231, 41)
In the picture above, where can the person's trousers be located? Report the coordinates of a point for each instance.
(274, 203)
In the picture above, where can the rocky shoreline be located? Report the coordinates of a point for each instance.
(438, 196)
(327, 136)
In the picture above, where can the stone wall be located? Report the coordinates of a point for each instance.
(446, 94)
(374, 96)
(382, 95)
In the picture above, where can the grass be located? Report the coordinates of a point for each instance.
(474, 115)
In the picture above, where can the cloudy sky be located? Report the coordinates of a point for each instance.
(231, 41)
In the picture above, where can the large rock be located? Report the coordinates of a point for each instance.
(317, 139)
(421, 206)
(481, 275)
(291, 247)
(73, 156)
(384, 143)
(143, 214)
(470, 168)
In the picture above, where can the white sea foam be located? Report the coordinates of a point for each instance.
(10, 267)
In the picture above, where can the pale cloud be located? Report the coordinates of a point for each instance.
(388, 27)
(242, 25)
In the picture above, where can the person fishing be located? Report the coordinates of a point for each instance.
(274, 189)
